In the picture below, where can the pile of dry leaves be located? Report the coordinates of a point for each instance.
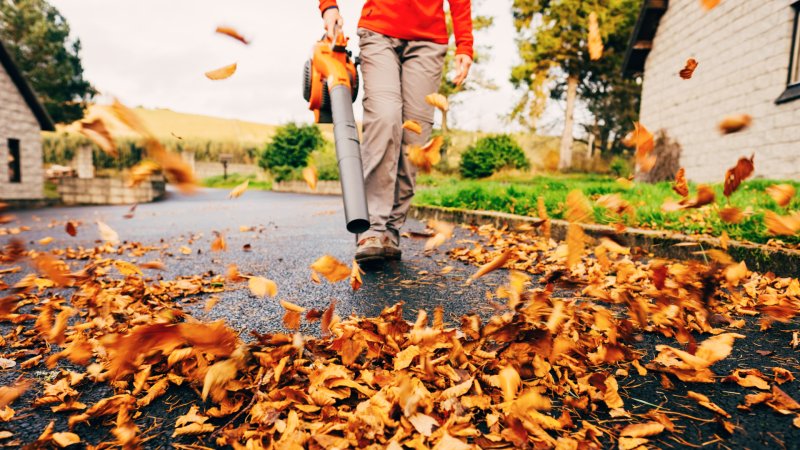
(539, 373)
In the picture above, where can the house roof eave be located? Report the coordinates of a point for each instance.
(644, 32)
(25, 89)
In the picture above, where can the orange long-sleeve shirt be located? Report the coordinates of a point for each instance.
(421, 20)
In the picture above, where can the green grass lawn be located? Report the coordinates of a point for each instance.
(235, 179)
(519, 196)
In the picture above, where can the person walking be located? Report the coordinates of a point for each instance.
(403, 44)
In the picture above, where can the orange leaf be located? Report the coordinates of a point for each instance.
(709, 4)
(65, 439)
(509, 381)
(781, 193)
(217, 377)
(239, 190)
(96, 130)
(578, 207)
(443, 231)
(681, 187)
(218, 244)
(705, 196)
(595, 42)
(642, 429)
(687, 72)
(310, 175)
(738, 173)
(413, 126)
(107, 233)
(427, 156)
(576, 244)
(331, 268)
(782, 225)
(327, 319)
(735, 123)
(228, 31)
(498, 262)
(438, 100)
(221, 73)
(644, 142)
(355, 277)
(261, 287)
(71, 227)
(141, 172)
(731, 214)
(291, 319)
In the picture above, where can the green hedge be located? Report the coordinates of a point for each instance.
(491, 154)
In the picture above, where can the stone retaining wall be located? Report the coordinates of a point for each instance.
(109, 191)
(300, 187)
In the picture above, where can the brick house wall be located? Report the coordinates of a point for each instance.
(743, 47)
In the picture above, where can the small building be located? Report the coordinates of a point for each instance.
(22, 119)
(749, 63)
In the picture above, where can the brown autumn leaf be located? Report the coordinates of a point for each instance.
(735, 123)
(781, 193)
(261, 287)
(644, 143)
(644, 429)
(331, 268)
(327, 319)
(229, 31)
(595, 41)
(412, 126)
(310, 176)
(496, 263)
(578, 208)
(427, 156)
(219, 244)
(10, 393)
(71, 227)
(65, 439)
(141, 172)
(709, 4)
(239, 190)
(731, 214)
(442, 232)
(95, 129)
(217, 377)
(705, 402)
(438, 100)
(107, 233)
(126, 268)
(782, 225)
(688, 70)
(509, 381)
(705, 196)
(221, 73)
(681, 186)
(355, 277)
(576, 244)
(292, 317)
(738, 173)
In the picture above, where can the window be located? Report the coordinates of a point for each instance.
(14, 167)
(793, 83)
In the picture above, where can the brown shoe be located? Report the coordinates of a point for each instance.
(391, 251)
(369, 251)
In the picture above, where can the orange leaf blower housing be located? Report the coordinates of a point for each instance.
(330, 86)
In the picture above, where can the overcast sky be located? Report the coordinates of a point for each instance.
(154, 53)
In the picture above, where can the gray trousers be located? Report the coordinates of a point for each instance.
(398, 74)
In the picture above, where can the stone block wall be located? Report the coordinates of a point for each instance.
(324, 187)
(18, 122)
(109, 191)
(743, 47)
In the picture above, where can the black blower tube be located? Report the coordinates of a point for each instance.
(348, 153)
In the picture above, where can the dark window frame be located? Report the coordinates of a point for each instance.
(14, 161)
(792, 91)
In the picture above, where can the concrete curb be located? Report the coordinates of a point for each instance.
(662, 244)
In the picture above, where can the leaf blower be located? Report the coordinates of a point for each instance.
(330, 86)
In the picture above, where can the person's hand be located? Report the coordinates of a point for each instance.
(462, 64)
(332, 20)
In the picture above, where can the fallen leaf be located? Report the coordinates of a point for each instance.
(95, 129)
(509, 382)
(217, 377)
(496, 263)
(141, 172)
(595, 42)
(71, 228)
(781, 193)
(291, 319)
(731, 214)
(228, 31)
(239, 190)
(442, 232)
(735, 123)
(782, 225)
(221, 73)
(688, 70)
(355, 277)
(65, 439)
(218, 244)
(126, 268)
(261, 287)
(705, 402)
(310, 175)
(644, 142)
(578, 208)
(331, 268)
(642, 429)
(709, 4)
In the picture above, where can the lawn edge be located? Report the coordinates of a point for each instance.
(661, 244)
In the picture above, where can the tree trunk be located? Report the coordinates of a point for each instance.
(565, 160)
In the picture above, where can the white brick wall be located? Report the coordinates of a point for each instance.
(18, 122)
(743, 47)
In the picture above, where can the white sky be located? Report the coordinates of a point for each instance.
(154, 53)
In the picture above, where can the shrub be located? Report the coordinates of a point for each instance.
(491, 154)
(326, 163)
(620, 167)
(290, 148)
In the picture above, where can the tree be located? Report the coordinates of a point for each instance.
(552, 38)
(37, 36)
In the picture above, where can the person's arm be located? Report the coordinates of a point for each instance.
(330, 16)
(461, 12)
